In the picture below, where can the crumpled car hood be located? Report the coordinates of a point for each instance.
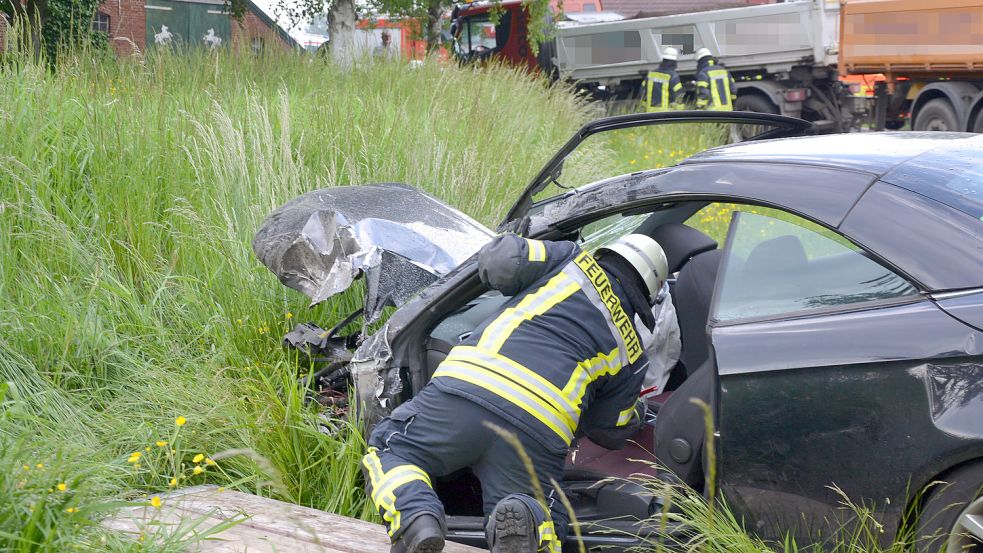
(400, 238)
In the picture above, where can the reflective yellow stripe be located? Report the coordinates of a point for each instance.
(702, 83)
(596, 276)
(547, 537)
(655, 77)
(677, 87)
(625, 416)
(559, 288)
(398, 476)
(537, 250)
(512, 370)
(384, 485)
(510, 391)
(722, 77)
(374, 466)
(588, 371)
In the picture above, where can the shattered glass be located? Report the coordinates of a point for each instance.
(400, 238)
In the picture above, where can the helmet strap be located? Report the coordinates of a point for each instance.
(632, 284)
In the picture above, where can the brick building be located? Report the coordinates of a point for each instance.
(139, 25)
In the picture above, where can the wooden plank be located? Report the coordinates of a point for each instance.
(264, 525)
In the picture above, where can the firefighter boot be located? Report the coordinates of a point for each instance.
(424, 534)
(514, 525)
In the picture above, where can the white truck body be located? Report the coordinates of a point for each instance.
(772, 38)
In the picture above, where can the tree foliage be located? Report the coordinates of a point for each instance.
(57, 24)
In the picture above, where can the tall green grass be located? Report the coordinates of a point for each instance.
(129, 295)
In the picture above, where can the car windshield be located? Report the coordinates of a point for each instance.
(624, 151)
(478, 35)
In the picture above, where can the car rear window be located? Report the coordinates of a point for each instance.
(953, 177)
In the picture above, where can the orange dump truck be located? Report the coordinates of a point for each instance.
(931, 53)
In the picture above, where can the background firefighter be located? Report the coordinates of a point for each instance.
(714, 84)
(563, 359)
(663, 88)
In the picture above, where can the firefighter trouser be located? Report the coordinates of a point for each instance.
(436, 434)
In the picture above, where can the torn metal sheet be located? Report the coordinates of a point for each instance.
(399, 237)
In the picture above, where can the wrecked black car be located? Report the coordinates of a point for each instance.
(835, 327)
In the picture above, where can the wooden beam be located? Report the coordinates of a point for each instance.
(216, 521)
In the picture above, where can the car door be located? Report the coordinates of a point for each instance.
(824, 359)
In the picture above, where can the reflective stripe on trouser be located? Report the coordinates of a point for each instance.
(385, 479)
(657, 91)
(418, 433)
(720, 89)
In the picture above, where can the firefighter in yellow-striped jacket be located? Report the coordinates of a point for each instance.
(562, 360)
(714, 84)
(663, 88)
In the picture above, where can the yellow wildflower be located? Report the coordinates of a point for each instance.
(198, 458)
(39, 466)
(198, 470)
(134, 457)
(26, 467)
(209, 462)
(62, 487)
(71, 510)
(161, 443)
(180, 421)
(290, 315)
(173, 482)
(155, 502)
(147, 449)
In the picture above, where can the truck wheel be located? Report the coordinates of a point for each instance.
(755, 103)
(750, 102)
(936, 115)
(978, 125)
(952, 516)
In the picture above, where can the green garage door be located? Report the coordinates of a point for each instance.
(187, 24)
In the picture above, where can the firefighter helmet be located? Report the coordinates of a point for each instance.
(646, 256)
(703, 53)
(670, 53)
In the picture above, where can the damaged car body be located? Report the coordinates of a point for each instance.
(835, 328)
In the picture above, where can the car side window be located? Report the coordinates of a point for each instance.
(775, 266)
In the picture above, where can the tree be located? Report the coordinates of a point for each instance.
(341, 16)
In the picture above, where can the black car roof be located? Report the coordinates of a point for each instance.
(876, 153)
(923, 210)
(891, 193)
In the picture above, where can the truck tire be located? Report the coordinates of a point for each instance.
(936, 115)
(978, 124)
(755, 103)
(951, 518)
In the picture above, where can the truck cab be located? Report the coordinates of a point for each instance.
(482, 31)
